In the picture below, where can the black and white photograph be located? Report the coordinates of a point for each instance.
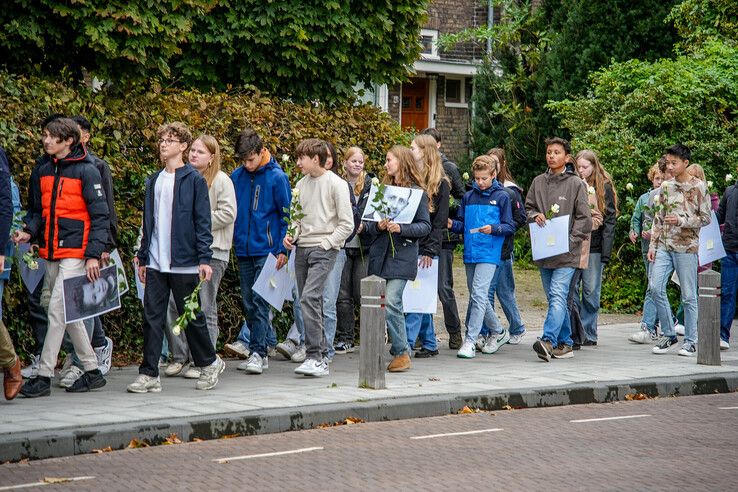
(402, 202)
(84, 299)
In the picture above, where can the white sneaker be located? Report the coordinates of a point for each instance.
(679, 329)
(516, 339)
(175, 369)
(299, 355)
(724, 345)
(494, 342)
(272, 352)
(31, 371)
(104, 356)
(256, 364)
(66, 366)
(72, 375)
(312, 367)
(192, 372)
(481, 340)
(466, 351)
(237, 349)
(145, 384)
(287, 348)
(209, 375)
(644, 335)
(688, 350)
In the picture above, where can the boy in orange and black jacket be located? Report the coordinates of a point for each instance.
(68, 220)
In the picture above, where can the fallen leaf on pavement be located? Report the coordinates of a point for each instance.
(636, 396)
(172, 439)
(468, 410)
(56, 480)
(135, 443)
(230, 436)
(507, 407)
(103, 450)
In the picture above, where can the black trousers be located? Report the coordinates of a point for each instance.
(156, 299)
(577, 329)
(37, 318)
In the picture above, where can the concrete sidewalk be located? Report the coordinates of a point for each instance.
(279, 400)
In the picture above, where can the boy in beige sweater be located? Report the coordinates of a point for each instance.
(321, 232)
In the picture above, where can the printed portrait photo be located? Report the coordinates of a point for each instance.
(402, 202)
(84, 299)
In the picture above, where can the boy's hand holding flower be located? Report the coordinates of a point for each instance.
(287, 242)
(206, 272)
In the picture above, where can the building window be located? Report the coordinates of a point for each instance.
(429, 44)
(457, 93)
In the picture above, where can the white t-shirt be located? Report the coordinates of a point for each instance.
(160, 251)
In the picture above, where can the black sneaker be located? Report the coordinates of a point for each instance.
(454, 340)
(88, 381)
(38, 386)
(664, 344)
(424, 353)
(589, 343)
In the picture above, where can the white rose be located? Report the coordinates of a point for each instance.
(295, 192)
(657, 199)
(629, 187)
(465, 176)
(285, 158)
(709, 184)
(375, 181)
(591, 190)
(555, 208)
(728, 177)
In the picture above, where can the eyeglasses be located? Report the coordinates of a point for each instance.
(168, 141)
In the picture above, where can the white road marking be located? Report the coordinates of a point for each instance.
(728, 408)
(50, 481)
(266, 455)
(622, 417)
(431, 436)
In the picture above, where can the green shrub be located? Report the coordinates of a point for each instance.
(124, 133)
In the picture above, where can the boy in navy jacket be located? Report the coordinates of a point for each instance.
(485, 218)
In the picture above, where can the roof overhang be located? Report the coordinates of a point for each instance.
(445, 67)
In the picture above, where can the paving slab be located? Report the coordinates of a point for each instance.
(279, 400)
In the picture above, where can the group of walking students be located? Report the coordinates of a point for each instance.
(194, 213)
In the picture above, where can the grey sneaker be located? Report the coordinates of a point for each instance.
(287, 348)
(175, 368)
(209, 375)
(192, 372)
(272, 352)
(494, 342)
(256, 364)
(299, 355)
(66, 366)
(516, 339)
(104, 356)
(145, 384)
(31, 371)
(237, 349)
(644, 335)
(481, 340)
(72, 375)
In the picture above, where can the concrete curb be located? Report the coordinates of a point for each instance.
(68, 442)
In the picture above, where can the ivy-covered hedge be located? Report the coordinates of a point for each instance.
(124, 133)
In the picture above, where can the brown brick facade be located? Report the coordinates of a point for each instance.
(452, 16)
(454, 125)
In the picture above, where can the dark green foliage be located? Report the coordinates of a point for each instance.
(304, 50)
(124, 133)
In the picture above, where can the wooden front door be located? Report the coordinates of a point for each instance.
(415, 104)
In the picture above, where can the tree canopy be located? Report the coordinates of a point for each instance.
(299, 49)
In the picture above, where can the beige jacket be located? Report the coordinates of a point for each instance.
(222, 215)
(596, 223)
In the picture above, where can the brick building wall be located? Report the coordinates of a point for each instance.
(451, 16)
(454, 125)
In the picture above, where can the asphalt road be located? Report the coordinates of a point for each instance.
(662, 444)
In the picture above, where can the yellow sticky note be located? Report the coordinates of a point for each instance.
(710, 244)
(415, 284)
(551, 240)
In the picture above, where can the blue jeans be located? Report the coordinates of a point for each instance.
(330, 296)
(589, 303)
(557, 326)
(418, 324)
(503, 284)
(478, 278)
(685, 265)
(245, 335)
(649, 308)
(729, 272)
(256, 308)
(394, 315)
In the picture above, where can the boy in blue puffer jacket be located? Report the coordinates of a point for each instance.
(485, 218)
(263, 198)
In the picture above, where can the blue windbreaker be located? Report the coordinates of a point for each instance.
(479, 208)
(261, 199)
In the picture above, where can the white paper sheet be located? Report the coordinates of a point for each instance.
(122, 280)
(31, 278)
(711, 242)
(421, 295)
(273, 285)
(551, 239)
